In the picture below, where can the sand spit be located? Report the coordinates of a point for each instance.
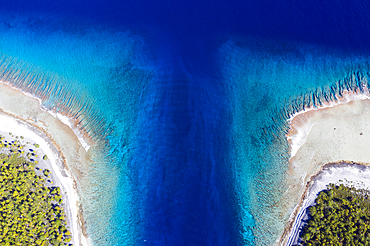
(338, 132)
(23, 116)
(302, 124)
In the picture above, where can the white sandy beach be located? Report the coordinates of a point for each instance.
(23, 116)
(335, 133)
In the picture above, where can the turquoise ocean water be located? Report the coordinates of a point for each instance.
(186, 103)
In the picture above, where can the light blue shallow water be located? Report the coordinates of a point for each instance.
(190, 132)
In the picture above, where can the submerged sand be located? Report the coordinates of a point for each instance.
(336, 133)
(23, 116)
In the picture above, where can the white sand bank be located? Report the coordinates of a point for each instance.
(76, 131)
(23, 116)
(336, 132)
(303, 124)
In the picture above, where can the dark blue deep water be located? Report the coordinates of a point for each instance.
(186, 102)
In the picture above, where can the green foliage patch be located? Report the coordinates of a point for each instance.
(30, 211)
(341, 216)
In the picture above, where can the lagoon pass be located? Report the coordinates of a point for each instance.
(179, 110)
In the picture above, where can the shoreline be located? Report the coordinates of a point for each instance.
(82, 136)
(66, 154)
(348, 171)
(312, 157)
(296, 139)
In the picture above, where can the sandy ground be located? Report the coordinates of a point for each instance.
(23, 116)
(336, 133)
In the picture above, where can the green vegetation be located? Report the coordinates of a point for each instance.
(30, 210)
(341, 216)
(46, 173)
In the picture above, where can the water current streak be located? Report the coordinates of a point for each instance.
(180, 165)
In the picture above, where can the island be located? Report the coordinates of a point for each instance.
(41, 161)
(328, 143)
